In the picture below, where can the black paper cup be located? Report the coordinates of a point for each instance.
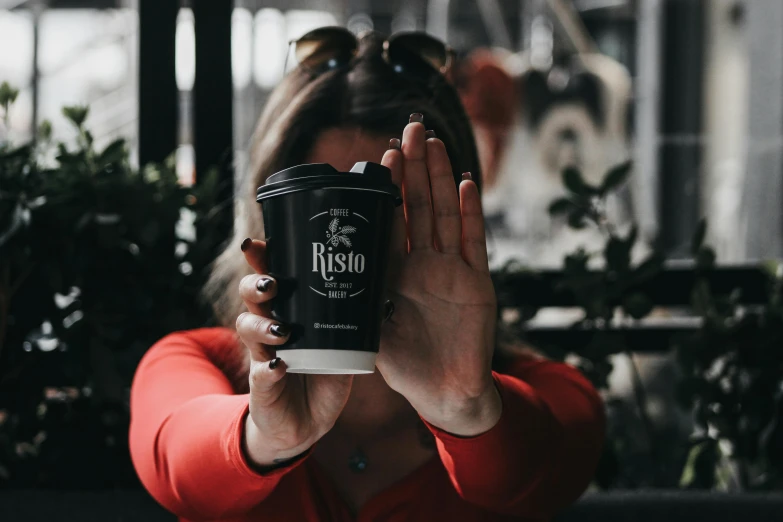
(327, 242)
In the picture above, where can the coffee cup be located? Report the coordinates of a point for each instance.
(327, 242)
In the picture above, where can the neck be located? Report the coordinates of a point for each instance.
(373, 407)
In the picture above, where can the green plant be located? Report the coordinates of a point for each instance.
(612, 289)
(607, 295)
(98, 260)
(730, 369)
(733, 383)
(7, 97)
(608, 288)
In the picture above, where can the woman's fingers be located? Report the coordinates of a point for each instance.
(445, 201)
(256, 290)
(416, 185)
(258, 332)
(255, 254)
(265, 381)
(393, 160)
(474, 242)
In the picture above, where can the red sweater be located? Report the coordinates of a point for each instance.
(186, 430)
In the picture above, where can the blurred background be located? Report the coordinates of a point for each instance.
(689, 91)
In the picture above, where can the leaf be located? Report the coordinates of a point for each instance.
(649, 268)
(344, 240)
(617, 254)
(76, 114)
(45, 130)
(705, 258)
(637, 305)
(348, 230)
(115, 152)
(630, 241)
(615, 177)
(576, 219)
(561, 206)
(7, 95)
(573, 181)
(576, 263)
(698, 236)
(699, 469)
(773, 268)
(21, 153)
(333, 225)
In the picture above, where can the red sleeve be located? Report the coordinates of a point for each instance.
(542, 453)
(187, 427)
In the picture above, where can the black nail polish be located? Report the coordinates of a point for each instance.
(279, 330)
(416, 117)
(389, 307)
(246, 244)
(430, 134)
(263, 284)
(395, 143)
(273, 363)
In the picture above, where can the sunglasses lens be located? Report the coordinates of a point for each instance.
(325, 47)
(429, 49)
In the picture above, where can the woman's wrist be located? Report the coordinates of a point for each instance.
(468, 418)
(260, 457)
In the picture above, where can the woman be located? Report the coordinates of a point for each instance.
(219, 430)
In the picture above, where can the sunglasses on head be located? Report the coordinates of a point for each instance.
(331, 47)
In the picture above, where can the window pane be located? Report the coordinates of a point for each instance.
(88, 56)
(16, 68)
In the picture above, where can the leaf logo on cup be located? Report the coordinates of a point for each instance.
(336, 259)
(337, 235)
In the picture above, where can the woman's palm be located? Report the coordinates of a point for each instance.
(439, 301)
(438, 342)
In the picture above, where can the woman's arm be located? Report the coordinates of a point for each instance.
(187, 427)
(542, 453)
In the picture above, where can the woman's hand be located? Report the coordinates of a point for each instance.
(436, 349)
(288, 412)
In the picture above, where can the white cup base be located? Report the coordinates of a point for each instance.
(328, 361)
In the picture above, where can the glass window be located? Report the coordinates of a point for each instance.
(84, 56)
(16, 68)
(88, 56)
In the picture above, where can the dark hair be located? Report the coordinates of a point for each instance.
(367, 94)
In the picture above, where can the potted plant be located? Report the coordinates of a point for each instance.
(98, 260)
(729, 370)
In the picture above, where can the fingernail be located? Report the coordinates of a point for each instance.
(395, 143)
(279, 330)
(389, 306)
(263, 284)
(246, 244)
(416, 117)
(467, 176)
(430, 134)
(273, 363)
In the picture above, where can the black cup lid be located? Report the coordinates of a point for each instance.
(364, 175)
